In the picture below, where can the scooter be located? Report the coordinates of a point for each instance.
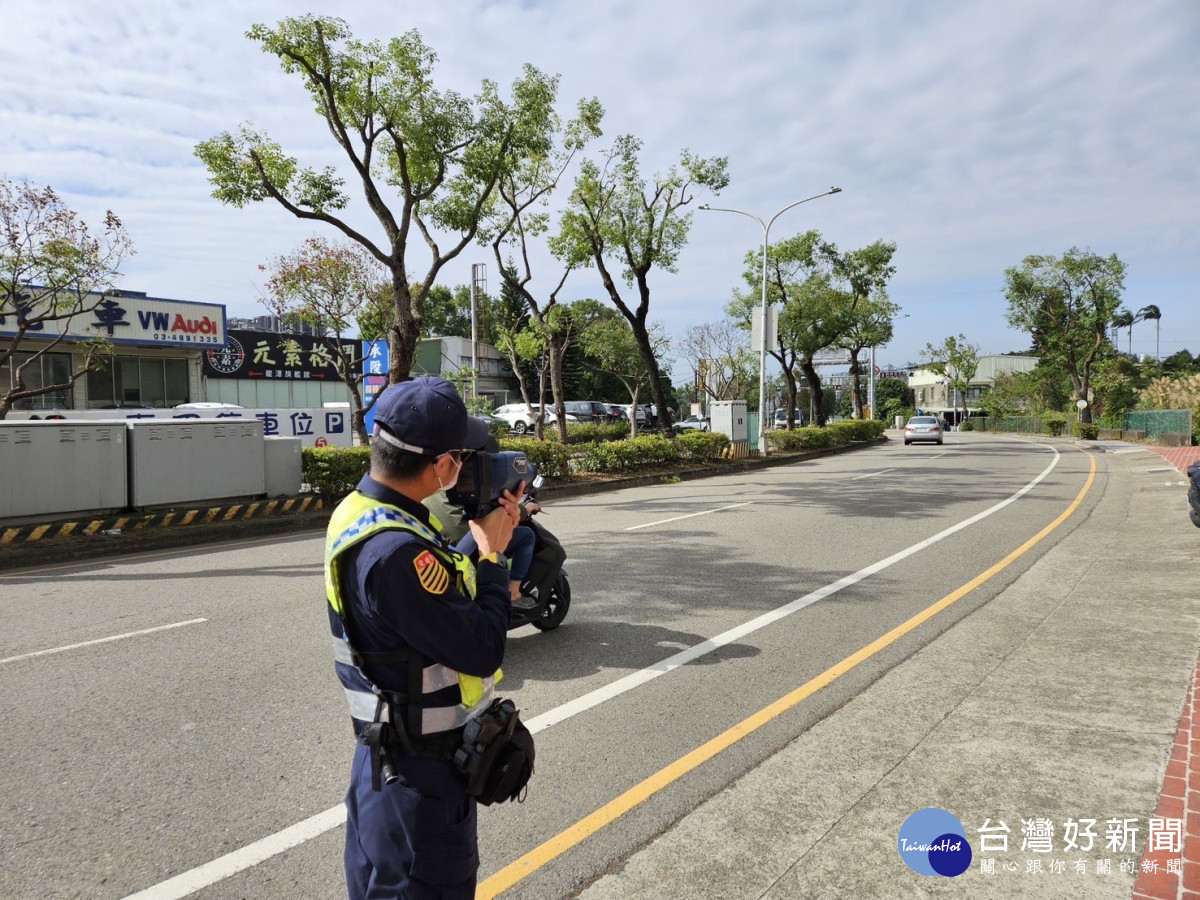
(546, 581)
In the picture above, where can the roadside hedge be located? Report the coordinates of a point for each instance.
(552, 459)
(702, 446)
(835, 434)
(333, 472)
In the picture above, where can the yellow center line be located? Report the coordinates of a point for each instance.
(614, 809)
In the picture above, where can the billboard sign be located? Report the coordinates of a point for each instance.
(121, 318)
(376, 359)
(270, 355)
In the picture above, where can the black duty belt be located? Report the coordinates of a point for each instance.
(382, 737)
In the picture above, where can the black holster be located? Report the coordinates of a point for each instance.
(496, 754)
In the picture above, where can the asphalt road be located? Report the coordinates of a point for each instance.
(131, 761)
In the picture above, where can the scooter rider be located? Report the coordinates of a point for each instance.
(419, 634)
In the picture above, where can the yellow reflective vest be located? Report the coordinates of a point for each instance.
(357, 518)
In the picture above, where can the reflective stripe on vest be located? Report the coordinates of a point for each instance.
(357, 518)
(364, 700)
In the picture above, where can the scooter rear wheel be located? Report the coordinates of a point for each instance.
(556, 606)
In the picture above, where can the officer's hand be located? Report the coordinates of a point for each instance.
(494, 531)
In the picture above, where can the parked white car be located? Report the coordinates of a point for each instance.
(521, 419)
(625, 408)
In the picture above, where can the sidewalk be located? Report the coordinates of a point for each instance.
(1058, 702)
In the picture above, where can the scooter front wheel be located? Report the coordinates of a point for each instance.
(556, 606)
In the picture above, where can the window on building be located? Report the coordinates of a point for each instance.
(49, 368)
(130, 381)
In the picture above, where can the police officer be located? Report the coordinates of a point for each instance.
(419, 634)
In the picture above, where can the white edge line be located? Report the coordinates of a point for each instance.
(251, 855)
(105, 640)
(871, 474)
(193, 880)
(689, 515)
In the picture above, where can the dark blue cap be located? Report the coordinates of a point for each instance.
(427, 416)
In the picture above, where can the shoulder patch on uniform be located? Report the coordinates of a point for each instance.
(431, 573)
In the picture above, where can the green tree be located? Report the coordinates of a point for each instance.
(517, 218)
(424, 160)
(1066, 304)
(1181, 363)
(1115, 388)
(814, 311)
(329, 286)
(957, 360)
(511, 334)
(447, 312)
(612, 343)
(1025, 393)
(614, 216)
(871, 316)
(44, 245)
(891, 398)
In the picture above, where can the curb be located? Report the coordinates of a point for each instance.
(85, 538)
(88, 538)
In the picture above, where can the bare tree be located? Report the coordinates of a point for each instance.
(330, 287)
(719, 351)
(52, 271)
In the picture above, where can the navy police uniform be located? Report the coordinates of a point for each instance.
(403, 605)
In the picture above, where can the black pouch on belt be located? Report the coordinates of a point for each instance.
(496, 754)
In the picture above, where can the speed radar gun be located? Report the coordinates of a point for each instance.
(485, 476)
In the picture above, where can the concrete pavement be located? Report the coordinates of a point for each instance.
(1050, 714)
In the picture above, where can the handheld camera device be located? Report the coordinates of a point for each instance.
(485, 476)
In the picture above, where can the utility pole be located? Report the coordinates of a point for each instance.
(478, 286)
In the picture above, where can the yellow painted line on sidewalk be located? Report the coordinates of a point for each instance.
(38, 533)
(614, 809)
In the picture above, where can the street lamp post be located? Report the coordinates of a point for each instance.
(762, 350)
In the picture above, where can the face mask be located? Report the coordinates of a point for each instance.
(453, 480)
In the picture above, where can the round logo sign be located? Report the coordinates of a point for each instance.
(227, 360)
(320, 442)
(933, 842)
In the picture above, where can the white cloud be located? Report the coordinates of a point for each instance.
(970, 133)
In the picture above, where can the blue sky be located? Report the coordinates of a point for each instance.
(970, 133)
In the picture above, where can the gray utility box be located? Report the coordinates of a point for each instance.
(61, 467)
(728, 417)
(187, 460)
(284, 466)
